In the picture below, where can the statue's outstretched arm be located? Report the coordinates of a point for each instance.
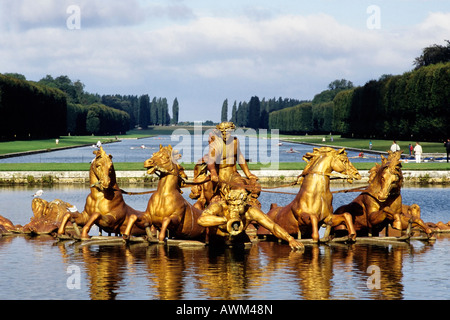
(261, 218)
(212, 216)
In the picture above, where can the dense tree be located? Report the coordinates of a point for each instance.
(432, 55)
(254, 113)
(129, 104)
(57, 106)
(341, 111)
(224, 114)
(16, 76)
(162, 110)
(410, 106)
(322, 117)
(30, 110)
(242, 114)
(340, 85)
(234, 113)
(297, 119)
(154, 112)
(333, 89)
(101, 119)
(175, 111)
(144, 111)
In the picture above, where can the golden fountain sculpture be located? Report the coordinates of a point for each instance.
(236, 203)
(228, 202)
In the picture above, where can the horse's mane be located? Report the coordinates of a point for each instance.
(100, 153)
(311, 158)
(174, 156)
(391, 163)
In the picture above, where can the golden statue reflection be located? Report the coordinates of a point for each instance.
(335, 271)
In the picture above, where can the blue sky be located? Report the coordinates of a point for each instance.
(203, 52)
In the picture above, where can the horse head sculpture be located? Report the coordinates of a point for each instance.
(325, 160)
(102, 173)
(164, 162)
(386, 179)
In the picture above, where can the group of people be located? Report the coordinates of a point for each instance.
(417, 150)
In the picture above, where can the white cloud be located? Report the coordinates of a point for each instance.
(435, 27)
(119, 48)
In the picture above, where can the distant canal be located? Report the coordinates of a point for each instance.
(192, 148)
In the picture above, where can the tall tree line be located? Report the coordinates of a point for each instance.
(30, 110)
(314, 116)
(86, 113)
(414, 105)
(59, 106)
(140, 110)
(255, 112)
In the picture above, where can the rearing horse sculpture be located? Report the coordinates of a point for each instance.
(312, 205)
(381, 203)
(104, 205)
(167, 209)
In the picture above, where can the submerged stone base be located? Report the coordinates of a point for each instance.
(276, 177)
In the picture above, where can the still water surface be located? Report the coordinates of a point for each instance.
(41, 268)
(192, 149)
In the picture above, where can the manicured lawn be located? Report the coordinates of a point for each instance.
(64, 141)
(378, 145)
(69, 141)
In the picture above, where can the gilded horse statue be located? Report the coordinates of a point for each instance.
(381, 203)
(104, 205)
(312, 205)
(167, 209)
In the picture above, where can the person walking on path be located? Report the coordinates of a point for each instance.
(447, 147)
(418, 152)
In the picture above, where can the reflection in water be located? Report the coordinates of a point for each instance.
(266, 270)
(37, 267)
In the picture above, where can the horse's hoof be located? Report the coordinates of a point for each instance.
(63, 237)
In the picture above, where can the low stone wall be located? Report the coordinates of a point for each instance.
(141, 177)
